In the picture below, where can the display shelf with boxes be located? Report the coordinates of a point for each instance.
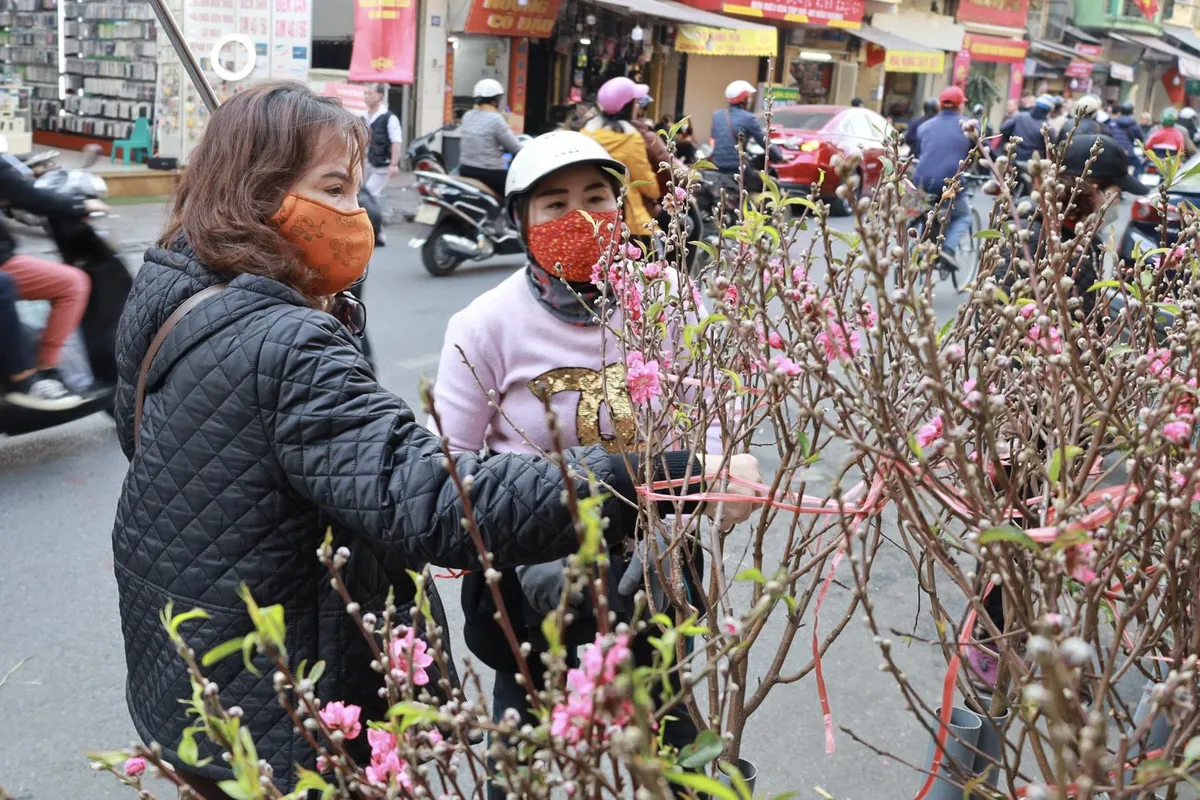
(29, 51)
(111, 67)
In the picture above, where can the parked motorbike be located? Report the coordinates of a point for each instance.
(467, 223)
(89, 364)
(424, 153)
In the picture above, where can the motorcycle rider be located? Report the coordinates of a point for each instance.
(486, 137)
(734, 122)
(1167, 138)
(941, 147)
(23, 386)
(529, 340)
(66, 287)
(641, 151)
(910, 134)
(1085, 121)
(1187, 121)
(1125, 129)
(1028, 126)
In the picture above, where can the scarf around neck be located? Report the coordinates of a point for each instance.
(559, 297)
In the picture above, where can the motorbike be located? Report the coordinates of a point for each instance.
(32, 166)
(89, 364)
(424, 153)
(467, 222)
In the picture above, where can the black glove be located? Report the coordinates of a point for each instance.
(543, 586)
(634, 575)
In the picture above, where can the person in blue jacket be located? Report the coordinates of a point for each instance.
(736, 121)
(941, 147)
(1028, 126)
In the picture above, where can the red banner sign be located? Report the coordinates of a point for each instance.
(518, 76)
(834, 13)
(385, 41)
(1009, 13)
(1149, 8)
(1080, 69)
(962, 68)
(995, 49)
(1016, 81)
(534, 18)
(448, 89)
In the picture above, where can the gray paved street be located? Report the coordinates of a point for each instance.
(58, 600)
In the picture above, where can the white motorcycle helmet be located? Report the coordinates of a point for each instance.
(1187, 112)
(546, 154)
(1088, 105)
(738, 91)
(487, 88)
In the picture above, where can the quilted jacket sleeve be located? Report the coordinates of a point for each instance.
(356, 451)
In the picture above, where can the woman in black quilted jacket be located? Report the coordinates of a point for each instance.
(263, 426)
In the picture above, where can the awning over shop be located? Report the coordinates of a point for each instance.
(1082, 36)
(1186, 36)
(678, 12)
(898, 54)
(1189, 65)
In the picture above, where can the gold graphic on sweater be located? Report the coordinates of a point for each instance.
(591, 385)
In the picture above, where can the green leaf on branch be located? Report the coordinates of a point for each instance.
(990, 233)
(918, 451)
(1191, 751)
(411, 713)
(317, 671)
(1009, 535)
(750, 574)
(1110, 284)
(702, 783)
(221, 652)
(739, 781)
(1152, 769)
(945, 330)
(801, 201)
(707, 747)
(235, 790)
(550, 632)
(174, 621)
(1056, 461)
(307, 781)
(109, 758)
(189, 752)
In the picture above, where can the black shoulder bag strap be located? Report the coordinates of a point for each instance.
(156, 343)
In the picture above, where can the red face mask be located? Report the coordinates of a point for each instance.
(570, 242)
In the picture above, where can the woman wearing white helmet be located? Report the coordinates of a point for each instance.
(535, 341)
(734, 123)
(485, 137)
(641, 151)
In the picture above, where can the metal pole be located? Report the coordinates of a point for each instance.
(190, 63)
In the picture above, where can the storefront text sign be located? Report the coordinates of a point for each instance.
(534, 18)
(835, 13)
(925, 61)
(1121, 72)
(1089, 50)
(995, 49)
(702, 40)
(1008, 13)
(350, 94)
(518, 79)
(1079, 69)
(448, 89)
(385, 41)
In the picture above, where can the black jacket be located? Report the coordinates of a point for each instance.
(18, 191)
(1028, 126)
(263, 425)
(1087, 126)
(1126, 131)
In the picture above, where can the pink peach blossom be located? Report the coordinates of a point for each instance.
(839, 343)
(1177, 432)
(642, 378)
(135, 766)
(409, 655)
(1160, 358)
(1081, 560)
(342, 717)
(1051, 342)
(868, 315)
(786, 366)
(1028, 310)
(652, 270)
(930, 432)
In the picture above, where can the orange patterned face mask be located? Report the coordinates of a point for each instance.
(337, 244)
(570, 241)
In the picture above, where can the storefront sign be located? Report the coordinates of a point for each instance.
(702, 40)
(925, 61)
(1121, 72)
(962, 68)
(1016, 81)
(533, 18)
(350, 94)
(1007, 13)
(385, 41)
(834, 13)
(995, 49)
(518, 78)
(1079, 69)
(780, 94)
(1089, 50)
(448, 88)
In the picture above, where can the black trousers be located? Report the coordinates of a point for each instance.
(16, 356)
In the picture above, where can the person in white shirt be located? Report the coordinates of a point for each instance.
(387, 141)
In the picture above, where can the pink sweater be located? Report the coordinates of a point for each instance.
(524, 353)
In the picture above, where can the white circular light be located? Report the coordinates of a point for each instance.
(215, 57)
(637, 33)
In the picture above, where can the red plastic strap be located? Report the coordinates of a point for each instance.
(453, 574)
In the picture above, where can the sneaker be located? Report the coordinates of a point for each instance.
(381, 239)
(41, 393)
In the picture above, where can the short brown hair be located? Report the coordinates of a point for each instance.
(255, 147)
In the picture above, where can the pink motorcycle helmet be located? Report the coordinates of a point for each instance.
(618, 93)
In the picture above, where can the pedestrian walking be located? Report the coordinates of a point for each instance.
(387, 141)
(263, 427)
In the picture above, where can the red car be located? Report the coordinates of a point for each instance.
(810, 136)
